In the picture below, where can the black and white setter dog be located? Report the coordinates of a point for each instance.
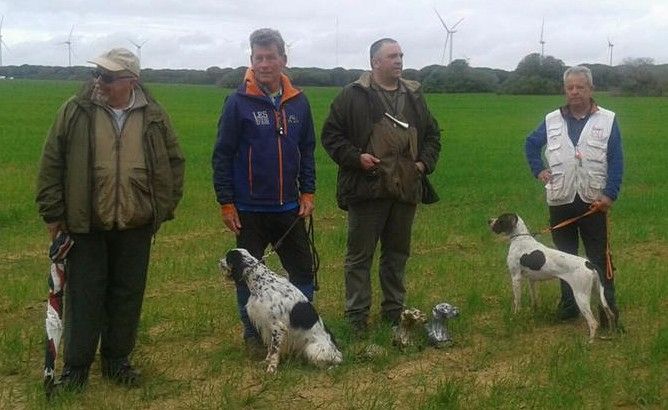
(529, 258)
(286, 320)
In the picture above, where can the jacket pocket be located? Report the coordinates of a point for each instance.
(594, 186)
(555, 189)
(136, 208)
(597, 151)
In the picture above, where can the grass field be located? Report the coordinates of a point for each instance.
(189, 344)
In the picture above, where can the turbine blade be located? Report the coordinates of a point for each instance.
(143, 42)
(456, 24)
(542, 27)
(441, 18)
(2, 20)
(69, 38)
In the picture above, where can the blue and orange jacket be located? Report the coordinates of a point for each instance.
(264, 156)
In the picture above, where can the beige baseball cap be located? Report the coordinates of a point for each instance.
(118, 59)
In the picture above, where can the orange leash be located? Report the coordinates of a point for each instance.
(609, 270)
(569, 221)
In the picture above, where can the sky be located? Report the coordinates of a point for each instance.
(199, 34)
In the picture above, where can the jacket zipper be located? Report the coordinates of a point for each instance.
(250, 169)
(280, 131)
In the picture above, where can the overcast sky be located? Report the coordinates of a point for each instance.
(204, 33)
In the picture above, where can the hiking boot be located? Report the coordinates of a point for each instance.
(121, 372)
(392, 317)
(359, 328)
(73, 379)
(605, 324)
(567, 311)
(254, 348)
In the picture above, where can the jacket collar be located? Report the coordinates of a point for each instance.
(365, 82)
(253, 88)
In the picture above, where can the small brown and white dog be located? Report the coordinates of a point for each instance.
(530, 259)
(286, 320)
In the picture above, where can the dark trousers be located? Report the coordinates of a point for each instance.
(258, 230)
(106, 277)
(391, 222)
(594, 233)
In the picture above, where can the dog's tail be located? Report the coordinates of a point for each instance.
(601, 290)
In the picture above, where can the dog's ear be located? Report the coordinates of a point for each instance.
(235, 263)
(505, 223)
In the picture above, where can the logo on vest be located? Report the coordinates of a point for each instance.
(292, 119)
(597, 133)
(261, 117)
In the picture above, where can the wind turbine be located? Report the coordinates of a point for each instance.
(336, 34)
(138, 46)
(288, 47)
(2, 43)
(542, 42)
(449, 36)
(610, 46)
(69, 47)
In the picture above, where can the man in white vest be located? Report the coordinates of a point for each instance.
(582, 170)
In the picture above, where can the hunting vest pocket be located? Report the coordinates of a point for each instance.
(396, 147)
(555, 190)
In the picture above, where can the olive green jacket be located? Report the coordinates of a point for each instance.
(346, 133)
(65, 179)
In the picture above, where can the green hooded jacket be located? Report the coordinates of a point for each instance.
(346, 133)
(65, 178)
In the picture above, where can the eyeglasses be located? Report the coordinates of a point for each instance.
(108, 78)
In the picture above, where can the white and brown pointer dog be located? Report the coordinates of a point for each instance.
(287, 322)
(535, 261)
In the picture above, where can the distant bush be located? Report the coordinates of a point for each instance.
(535, 74)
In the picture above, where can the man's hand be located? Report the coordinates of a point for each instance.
(603, 204)
(545, 176)
(368, 161)
(420, 166)
(306, 205)
(231, 218)
(54, 227)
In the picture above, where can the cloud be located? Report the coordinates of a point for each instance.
(203, 33)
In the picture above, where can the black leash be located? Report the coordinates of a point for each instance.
(310, 235)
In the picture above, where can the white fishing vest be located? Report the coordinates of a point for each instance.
(580, 169)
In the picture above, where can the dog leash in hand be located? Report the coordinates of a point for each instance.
(310, 235)
(569, 221)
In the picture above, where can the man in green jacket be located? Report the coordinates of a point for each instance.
(111, 172)
(384, 140)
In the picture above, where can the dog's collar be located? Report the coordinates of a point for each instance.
(520, 234)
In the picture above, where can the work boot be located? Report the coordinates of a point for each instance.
(121, 372)
(72, 379)
(567, 311)
(359, 328)
(605, 324)
(255, 348)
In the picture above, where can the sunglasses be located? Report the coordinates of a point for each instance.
(108, 78)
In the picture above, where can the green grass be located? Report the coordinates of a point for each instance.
(189, 343)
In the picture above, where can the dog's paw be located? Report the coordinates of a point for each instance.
(271, 368)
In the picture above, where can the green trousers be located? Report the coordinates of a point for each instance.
(391, 222)
(106, 277)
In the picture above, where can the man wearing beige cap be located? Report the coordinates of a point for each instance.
(111, 172)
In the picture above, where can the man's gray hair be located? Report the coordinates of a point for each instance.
(373, 50)
(266, 37)
(580, 70)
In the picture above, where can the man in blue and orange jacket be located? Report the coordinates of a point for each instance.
(264, 167)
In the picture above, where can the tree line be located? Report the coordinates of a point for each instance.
(534, 74)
